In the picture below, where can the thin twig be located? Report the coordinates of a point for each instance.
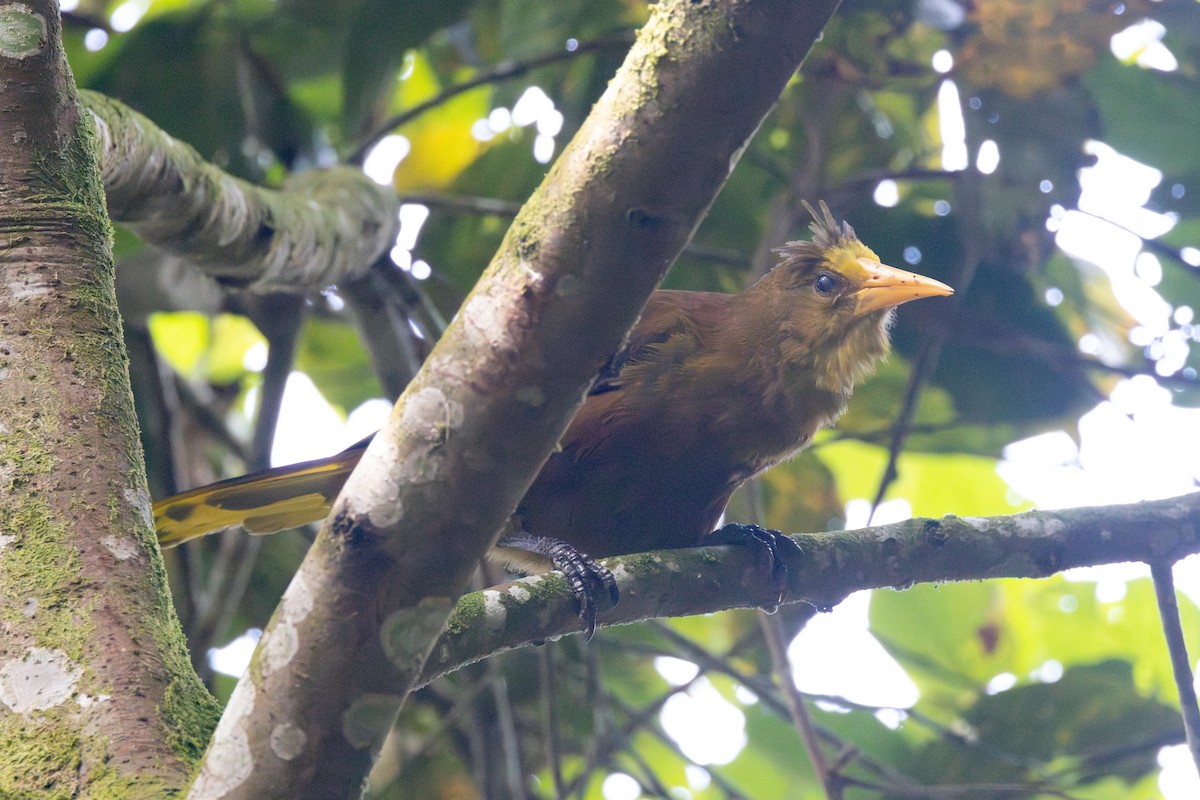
(467, 204)
(967, 196)
(650, 726)
(1149, 242)
(510, 740)
(280, 318)
(1181, 665)
(209, 419)
(796, 708)
(965, 791)
(493, 206)
(930, 350)
(550, 718)
(602, 748)
(649, 782)
(498, 74)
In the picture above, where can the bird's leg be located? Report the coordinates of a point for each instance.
(774, 543)
(585, 577)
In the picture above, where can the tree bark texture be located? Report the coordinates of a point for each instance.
(673, 583)
(323, 227)
(430, 495)
(97, 696)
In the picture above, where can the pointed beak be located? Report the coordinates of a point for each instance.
(886, 287)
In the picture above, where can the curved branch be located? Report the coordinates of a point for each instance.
(322, 227)
(703, 580)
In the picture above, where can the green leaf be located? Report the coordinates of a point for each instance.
(1063, 620)
(798, 495)
(1092, 718)
(877, 403)
(332, 354)
(232, 337)
(181, 337)
(442, 142)
(1148, 115)
(210, 349)
(954, 638)
(945, 636)
(382, 31)
(933, 484)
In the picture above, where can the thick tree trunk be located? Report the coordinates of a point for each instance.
(97, 695)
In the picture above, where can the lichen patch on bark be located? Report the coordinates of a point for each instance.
(122, 549)
(22, 31)
(229, 761)
(288, 740)
(494, 612)
(40, 680)
(282, 643)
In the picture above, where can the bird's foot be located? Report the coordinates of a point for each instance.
(587, 579)
(773, 543)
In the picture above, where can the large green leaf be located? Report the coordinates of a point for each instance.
(332, 354)
(933, 484)
(382, 31)
(965, 634)
(1065, 621)
(944, 636)
(233, 104)
(1092, 719)
(442, 141)
(1149, 115)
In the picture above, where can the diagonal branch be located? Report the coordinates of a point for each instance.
(1181, 665)
(434, 488)
(967, 196)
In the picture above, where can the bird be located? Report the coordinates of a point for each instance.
(708, 390)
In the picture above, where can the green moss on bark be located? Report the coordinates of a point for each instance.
(41, 757)
(39, 577)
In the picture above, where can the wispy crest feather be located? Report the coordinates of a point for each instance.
(827, 234)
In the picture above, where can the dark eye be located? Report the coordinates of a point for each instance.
(825, 283)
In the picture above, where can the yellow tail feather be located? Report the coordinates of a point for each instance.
(263, 502)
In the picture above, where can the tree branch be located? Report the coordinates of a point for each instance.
(321, 228)
(473, 427)
(1034, 544)
(1181, 665)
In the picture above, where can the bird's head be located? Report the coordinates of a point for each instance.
(837, 299)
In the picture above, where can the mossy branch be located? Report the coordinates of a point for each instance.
(674, 583)
(323, 227)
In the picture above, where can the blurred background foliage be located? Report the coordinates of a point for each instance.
(957, 137)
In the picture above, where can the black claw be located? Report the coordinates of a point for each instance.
(773, 543)
(586, 578)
